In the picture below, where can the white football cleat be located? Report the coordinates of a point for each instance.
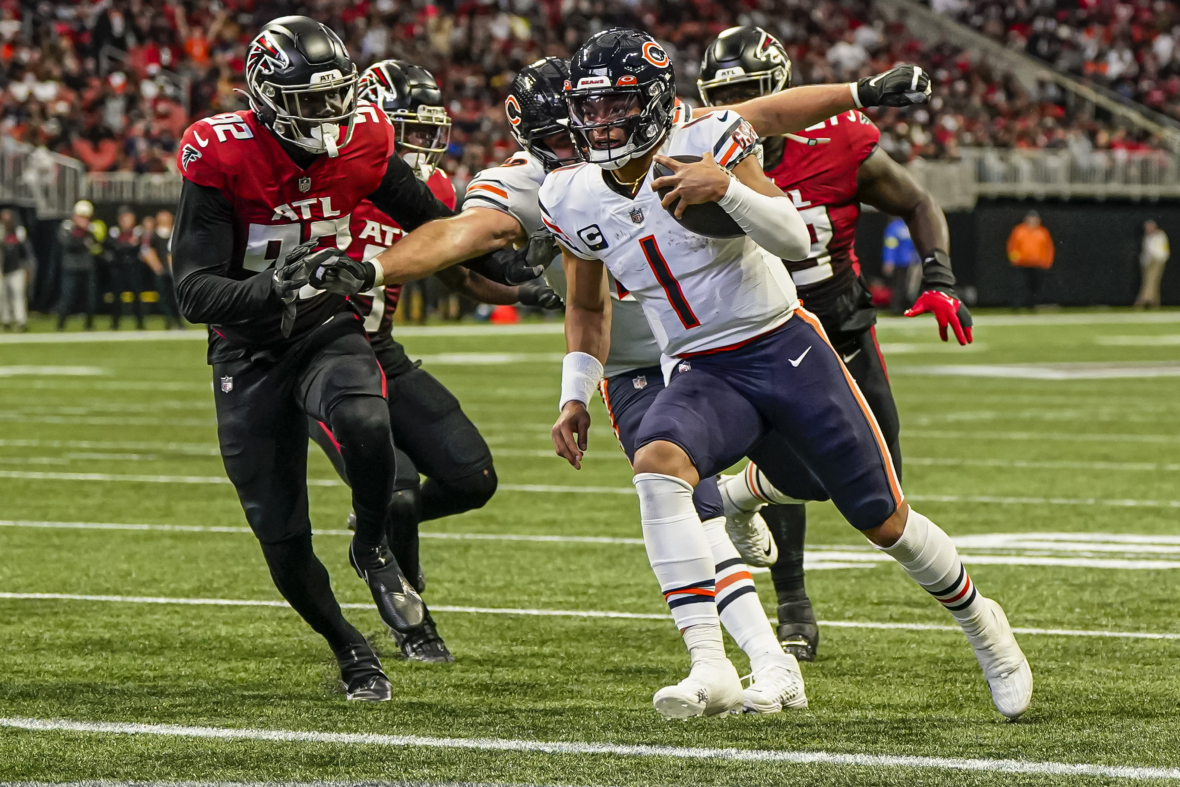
(1009, 677)
(747, 529)
(776, 687)
(712, 688)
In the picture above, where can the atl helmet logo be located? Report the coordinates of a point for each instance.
(265, 56)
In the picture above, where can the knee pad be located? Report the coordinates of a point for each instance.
(403, 507)
(475, 490)
(356, 418)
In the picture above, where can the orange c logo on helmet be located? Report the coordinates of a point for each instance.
(512, 110)
(627, 81)
(654, 55)
(567, 86)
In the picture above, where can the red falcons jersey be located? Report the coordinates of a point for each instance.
(277, 205)
(820, 178)
(372, 233)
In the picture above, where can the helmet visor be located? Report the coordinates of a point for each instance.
(331, 101)
(593, 109)
(426, 131)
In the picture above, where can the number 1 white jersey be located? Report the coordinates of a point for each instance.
(699, 294)
(512, 188)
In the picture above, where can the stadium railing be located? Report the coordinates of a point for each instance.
(36, 178)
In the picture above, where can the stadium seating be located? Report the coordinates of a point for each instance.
(1131, 47)
(115, 89)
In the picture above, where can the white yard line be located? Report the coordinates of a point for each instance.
(560, 613)
(886, 323)
(599, 749)
(1081, 436)
(599, 490)
(531, 329)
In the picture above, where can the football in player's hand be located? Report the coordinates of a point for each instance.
(707, 218)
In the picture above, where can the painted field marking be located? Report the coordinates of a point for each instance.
(599, 749)
(90, 337)
(1146, 340)
(596, 490)
(560, 613)
(1033, 320)
(937, 348)
(52, 371)
(1049, 371)
(194, 449)
(1085, 437)
(489, 359)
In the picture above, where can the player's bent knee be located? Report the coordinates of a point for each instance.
(666, 458)
(475, 490)
(888, 533)
(404, 505)
(355, 419)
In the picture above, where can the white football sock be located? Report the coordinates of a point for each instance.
(750, 489)
(704, 643)
(677, 549)
(929, 556)
(738, 603)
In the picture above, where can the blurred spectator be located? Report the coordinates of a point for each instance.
(899, 264)
(1130, 46)
(157, 253)
(115, 83)
(126, 268)
(1152, 259)
(80, 238)
(16, 266)
(1031, 252)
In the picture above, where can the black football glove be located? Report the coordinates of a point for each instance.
(289, 278)
(542, 248)
(506, 266)
(538, 293)
(900, 86)
(938, 298)
(336, 272)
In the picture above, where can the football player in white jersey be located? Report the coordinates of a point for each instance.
(748, 368)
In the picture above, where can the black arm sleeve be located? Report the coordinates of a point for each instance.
(202, 248)
(405, 198)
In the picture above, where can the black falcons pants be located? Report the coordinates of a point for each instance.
(263, 407)
(432, 434)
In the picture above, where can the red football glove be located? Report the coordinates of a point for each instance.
(947, 310)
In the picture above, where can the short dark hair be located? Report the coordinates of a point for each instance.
(126, 209)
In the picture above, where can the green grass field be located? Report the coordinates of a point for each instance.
(1060, 482)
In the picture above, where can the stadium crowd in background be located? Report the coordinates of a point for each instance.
(114, 83)
(1132, 47)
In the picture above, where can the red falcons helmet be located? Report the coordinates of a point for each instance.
(302, 84)
(619, 79)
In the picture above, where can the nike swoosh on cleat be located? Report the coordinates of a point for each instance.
(799, 360)
(848, 358)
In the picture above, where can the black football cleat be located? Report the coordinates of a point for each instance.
(798, 632)
(423, 643)
(398, 603)
(362, 676)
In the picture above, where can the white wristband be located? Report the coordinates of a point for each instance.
(855, 95)
(580, 374)
(771, 222)
(379, 275)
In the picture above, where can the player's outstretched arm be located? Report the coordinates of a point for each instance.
(890, 188)
(446, 242)
(587, 342)
(202, 247)
(478, 288)
(794, 110)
